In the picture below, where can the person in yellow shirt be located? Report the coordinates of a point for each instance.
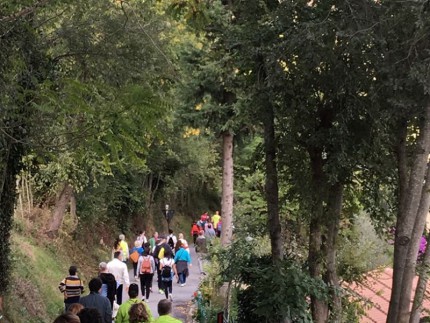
(215, 219)
(124, 248)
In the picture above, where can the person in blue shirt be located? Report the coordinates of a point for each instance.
(135, 253)
(182, 260)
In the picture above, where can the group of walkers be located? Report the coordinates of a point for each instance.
(165, 256)
(211, 226)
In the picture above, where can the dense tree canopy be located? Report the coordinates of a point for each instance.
(120, 106)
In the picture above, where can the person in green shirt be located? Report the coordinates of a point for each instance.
(123, 311)
(164, 310)
(153, 241)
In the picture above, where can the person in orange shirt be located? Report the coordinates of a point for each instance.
(195, 231)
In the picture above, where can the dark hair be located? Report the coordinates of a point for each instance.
(164, 307)
(95, 284)
(133, 290)
(168, 253)
(116, 243)
(116, 254)
(138, 313)
(67, 318)
(73, 270)
(146, 251)
(90, 315)
(179, 245)
(170, 231)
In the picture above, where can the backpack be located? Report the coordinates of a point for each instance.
(146, 265)
(171, 243)
(166, 273)
(134, 256)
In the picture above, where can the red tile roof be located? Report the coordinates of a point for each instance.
(375, 293)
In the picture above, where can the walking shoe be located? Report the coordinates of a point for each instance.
(171, 297)
(161, 291)
(182, 285)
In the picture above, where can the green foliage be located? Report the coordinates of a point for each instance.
(361, 250)
(266, 292)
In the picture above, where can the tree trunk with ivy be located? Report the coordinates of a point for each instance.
(272, 191)
(319, 307)
(334, 210)
(408, 228)
(11, 152)
(227, 189)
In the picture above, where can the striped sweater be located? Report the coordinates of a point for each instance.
(72, 289)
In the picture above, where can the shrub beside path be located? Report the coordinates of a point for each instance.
(182, 296)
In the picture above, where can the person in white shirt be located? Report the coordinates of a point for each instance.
(119, 269)
(171, 239)
(141, 237)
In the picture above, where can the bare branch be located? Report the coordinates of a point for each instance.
(24, 12)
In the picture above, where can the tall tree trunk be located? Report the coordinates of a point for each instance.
(424, 272)
(272, 192)
(333, 218)
(61, 203)
(319, 308)
(227, 189)
(10, 164)
(411, 258)
(406, 219)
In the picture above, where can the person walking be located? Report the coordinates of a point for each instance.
(90, 315)
(141, 237)
(153, 241)
(168, 271)
(219, 228)
(138, 313)
(184, 243)
(210, 233)
(215, 219)
(123, 311)
(119, 269)
(67, 318)
(135, 253)
(71, 287)
(195, 231)
(146, 267)
(201, 250)
(158, 254)
(116, 246)
(124, 247)
(164, 309)
(182, 261)
(95, 300)
(171, 240)
(108, 283)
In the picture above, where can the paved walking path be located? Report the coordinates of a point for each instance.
(181, 295)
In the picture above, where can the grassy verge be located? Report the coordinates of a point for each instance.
(36, 272)
(38, 266)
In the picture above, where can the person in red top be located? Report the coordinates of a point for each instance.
(195, 231)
